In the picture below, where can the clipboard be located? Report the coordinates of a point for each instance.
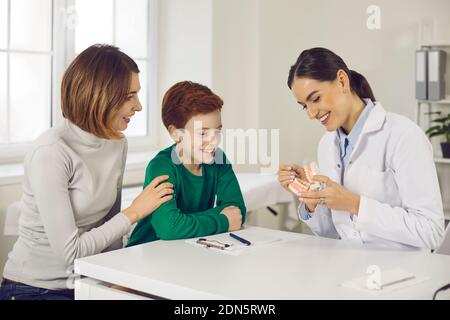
(226, 244)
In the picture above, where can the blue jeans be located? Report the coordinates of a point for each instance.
(11, 290)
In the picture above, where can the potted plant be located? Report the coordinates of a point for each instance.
(441, 127)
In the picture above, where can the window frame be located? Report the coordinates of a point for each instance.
(63, 52)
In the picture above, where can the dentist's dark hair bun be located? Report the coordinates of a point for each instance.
(323, 64)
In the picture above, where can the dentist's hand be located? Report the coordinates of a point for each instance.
(234, 217)
(334, 196)
(287, 174)
(150, 199)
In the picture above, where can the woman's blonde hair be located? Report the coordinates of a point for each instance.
(94, 87)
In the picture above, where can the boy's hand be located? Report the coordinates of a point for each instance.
(234, 217)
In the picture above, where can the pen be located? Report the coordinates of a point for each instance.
(246, 242)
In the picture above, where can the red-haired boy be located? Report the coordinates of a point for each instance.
(207, 197)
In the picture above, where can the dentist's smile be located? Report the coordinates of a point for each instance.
(324, 118)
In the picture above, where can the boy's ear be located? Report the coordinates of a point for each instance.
(175, 134)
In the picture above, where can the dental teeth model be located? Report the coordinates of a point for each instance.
(312, 170)
(299, 186)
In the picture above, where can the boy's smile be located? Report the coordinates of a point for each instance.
(199, 140)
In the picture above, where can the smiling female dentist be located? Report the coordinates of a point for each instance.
(380, 179)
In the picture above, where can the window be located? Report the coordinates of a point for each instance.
(25, 69)
(38, 40)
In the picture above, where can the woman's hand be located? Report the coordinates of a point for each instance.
(234, 217)
(150, 199)
(334, 196)
(287, 174)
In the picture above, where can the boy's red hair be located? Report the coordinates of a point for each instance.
(186, 99)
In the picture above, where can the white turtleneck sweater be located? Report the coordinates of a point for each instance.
(70, 205)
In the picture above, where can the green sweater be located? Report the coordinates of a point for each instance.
(195, 210)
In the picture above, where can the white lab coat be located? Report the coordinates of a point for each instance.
(392, 169)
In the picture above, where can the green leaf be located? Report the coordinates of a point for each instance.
(435, 134)
(432, 129)
(440, 120)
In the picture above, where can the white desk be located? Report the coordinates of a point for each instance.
(302, 267)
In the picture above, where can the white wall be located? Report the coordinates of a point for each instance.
(235, 65)
(385, 57)
(235, 61)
